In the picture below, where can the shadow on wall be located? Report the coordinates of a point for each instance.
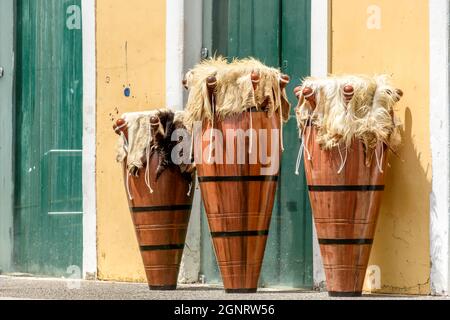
(398, 230)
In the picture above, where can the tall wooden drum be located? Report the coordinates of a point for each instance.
(160, 215)
(161, 221)
(345, 207)
(241, 107)
(239, 200)
(347, 126)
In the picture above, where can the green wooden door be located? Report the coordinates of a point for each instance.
(6, 132)
(48, 186)
(278, 33)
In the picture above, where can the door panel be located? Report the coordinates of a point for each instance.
(48, 194)
(253, 29)
(276, 32)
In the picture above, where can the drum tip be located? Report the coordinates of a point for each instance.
(284, 80)
(118, 127)
(308, 92)
(255, 76)
(120, 122)
(154, 120)
(211, 81)
(349, 90)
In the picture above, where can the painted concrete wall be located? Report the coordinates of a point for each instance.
(130, 53)
(383, 36)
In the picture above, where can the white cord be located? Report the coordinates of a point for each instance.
(125, 141)
(299, 159)
(250, 147)
(128, 186)
(190, 189)
(300, 152)
(307, 140)
(211, 141)
(192, 146)
(147, 169)
(212, 131)
(343, 161)
(380, 162)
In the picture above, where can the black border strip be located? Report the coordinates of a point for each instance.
(241, 291)
(163, 288)
(237, 179)
(345, 188)
(349, 294)
(233, 234)
(163, 247)
(162, 208)
(345, 241)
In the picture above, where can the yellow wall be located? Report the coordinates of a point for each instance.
(139, 26)
(399, 48)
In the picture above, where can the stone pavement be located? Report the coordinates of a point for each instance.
(61, 289)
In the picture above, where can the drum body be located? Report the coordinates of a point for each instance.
(161, 220)
(239, 194)
(345, 206)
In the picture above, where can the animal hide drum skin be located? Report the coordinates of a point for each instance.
(145, 139)
(234, 91)
(367, 114)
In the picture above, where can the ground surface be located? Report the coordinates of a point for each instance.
(60, 289)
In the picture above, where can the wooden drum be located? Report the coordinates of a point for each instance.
(239, 200)
(161, 221)
(345, 208)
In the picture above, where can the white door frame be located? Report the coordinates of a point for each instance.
(439, 19)
(89, 140)
(7, 13)
(184, 22)
(320, 67)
